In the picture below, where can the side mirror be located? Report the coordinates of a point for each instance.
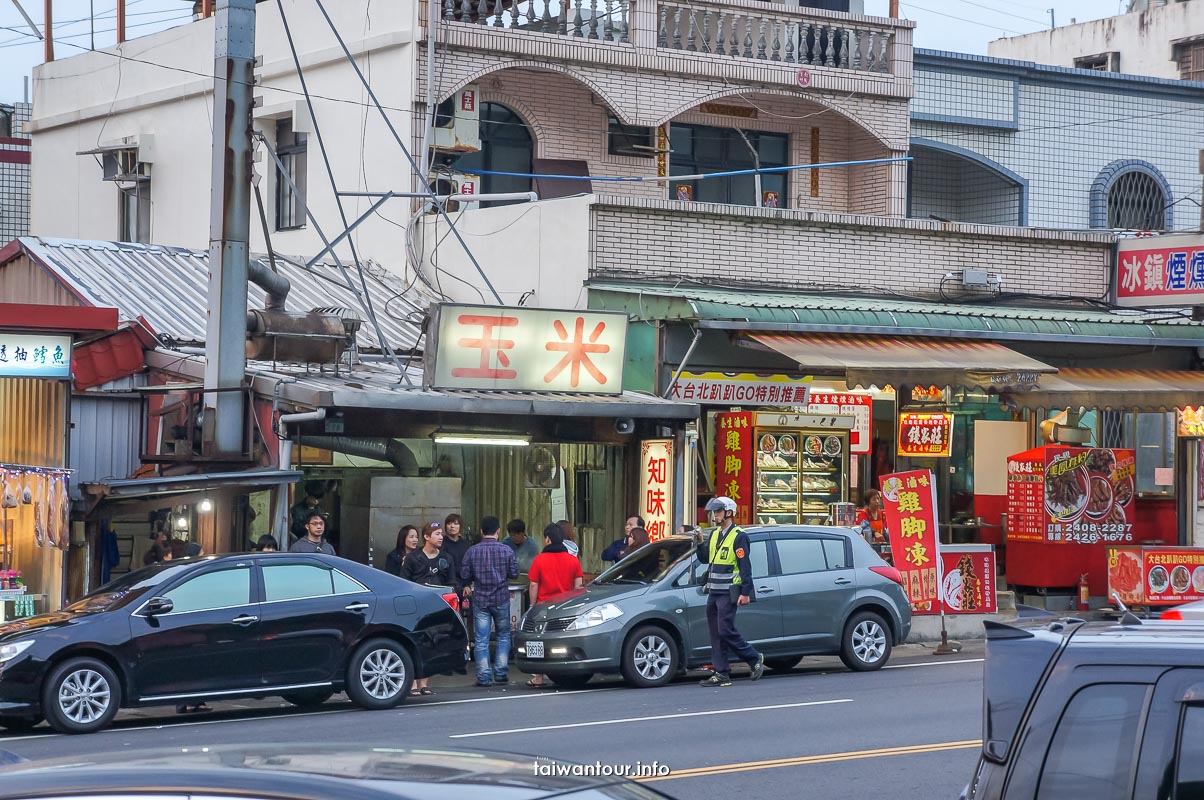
(159, 605)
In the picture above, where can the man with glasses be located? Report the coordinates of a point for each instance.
(313, 542)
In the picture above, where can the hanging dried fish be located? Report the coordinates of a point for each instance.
(64, 513)
(39, 512)
(52, 534)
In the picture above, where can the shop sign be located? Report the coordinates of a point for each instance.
(967, 581)
(859, 406)
(656, 487)
(1189, 422)
(730, 388)
(925, 435)
(527, 350)
(781, 420)
(1156, 575)
(1160, 271)
(35, 355)
(734, 461)
(909, 500)
(1072, 495)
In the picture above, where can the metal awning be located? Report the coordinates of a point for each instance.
(1118, 390)
(131, 488)
(766, 311)
(878, 360)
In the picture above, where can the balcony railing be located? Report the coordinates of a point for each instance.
(737, 30)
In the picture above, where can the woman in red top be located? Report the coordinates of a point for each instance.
(554, 571)
(872, 519)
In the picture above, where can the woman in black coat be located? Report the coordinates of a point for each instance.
(407, 542)
(428, 566)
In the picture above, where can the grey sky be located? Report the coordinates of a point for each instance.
(956, 25)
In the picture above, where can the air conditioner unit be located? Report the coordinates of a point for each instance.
(123, 165)
(449, 183)
(458, 122)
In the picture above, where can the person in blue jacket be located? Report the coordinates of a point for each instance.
(618, 548)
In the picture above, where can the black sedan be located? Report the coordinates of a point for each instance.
(301, 626)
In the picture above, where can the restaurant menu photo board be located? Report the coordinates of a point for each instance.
(967, 581)
(1149, 576)
(1071, 495)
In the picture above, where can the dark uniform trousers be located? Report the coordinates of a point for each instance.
(726, 641)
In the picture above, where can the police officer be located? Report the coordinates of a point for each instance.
(729, 585)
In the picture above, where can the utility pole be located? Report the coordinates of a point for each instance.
(1052, 21)
(229, 227)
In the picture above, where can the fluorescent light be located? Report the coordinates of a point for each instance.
(500, 439)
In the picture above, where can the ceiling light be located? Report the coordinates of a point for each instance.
(181, 523)
(499, 439)
(206, 505)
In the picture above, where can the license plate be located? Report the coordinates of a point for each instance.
(535, 650)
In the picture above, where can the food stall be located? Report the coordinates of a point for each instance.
(1067, 506)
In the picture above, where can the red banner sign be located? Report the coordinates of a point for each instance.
(925, 435)
(858, 406)
(656, 486)
(967, 581)
(1160, 271)
(1071, 495)
(1151, 576)
(734, 461)
(909, 500)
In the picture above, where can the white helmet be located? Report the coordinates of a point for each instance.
(721, 504)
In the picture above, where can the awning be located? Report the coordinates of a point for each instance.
(129, 488)
(877, 360)
(1118, 390)
(770, 311)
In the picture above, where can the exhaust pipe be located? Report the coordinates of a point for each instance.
(390, 450)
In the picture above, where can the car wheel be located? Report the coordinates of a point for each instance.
(81, 695)
(19, 724)
(314, 697)
(782, 663)
(379, 674)
(572, 680)
(866, 643)
(649, 657)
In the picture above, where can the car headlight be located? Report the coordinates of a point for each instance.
(596, 616)
(13, 649)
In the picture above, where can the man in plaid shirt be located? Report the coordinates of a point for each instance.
(488, 566)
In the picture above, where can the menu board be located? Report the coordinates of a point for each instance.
(1156, 575)
(1071, 495)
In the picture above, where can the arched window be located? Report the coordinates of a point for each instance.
(506, 146)
(1136, 201)
(1132, 195)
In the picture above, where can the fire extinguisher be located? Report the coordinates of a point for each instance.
(1084, 593)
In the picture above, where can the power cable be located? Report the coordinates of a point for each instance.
(959, 19)
(1004, 13)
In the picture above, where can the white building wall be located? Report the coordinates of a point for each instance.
(1143, 39)
(158, 91)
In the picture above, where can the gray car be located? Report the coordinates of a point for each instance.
(819, 591)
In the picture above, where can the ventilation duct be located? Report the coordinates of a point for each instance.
(390, 450)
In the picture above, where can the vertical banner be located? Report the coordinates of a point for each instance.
(734, 461)
(656, 487)
(909, 500)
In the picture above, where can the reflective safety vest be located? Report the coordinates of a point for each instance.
(723, 573)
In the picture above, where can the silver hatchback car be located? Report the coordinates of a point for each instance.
(820, 591)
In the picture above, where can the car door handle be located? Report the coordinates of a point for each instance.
(356, 607)
(843, 581)
(245, 619)
(765, 590)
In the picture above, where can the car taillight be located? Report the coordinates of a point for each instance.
(1172, 613)
(887, 571)
(453, 600)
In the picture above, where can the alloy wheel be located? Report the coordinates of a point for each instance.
(869, 641)
(382, 673)
(84, 696)
(652, 657)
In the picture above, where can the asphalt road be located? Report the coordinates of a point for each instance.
(909, 731)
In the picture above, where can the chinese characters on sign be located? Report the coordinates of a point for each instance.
(967, 580)
(721, 388)
(734, 461)
(528, 350)
(35, 355)
(656, 487)
(1071, 495)
(909, 500)
(1156, 575)
(928, 435)
(859, 406)
(1160, 271)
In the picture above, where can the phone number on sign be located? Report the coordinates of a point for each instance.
(1092, 533)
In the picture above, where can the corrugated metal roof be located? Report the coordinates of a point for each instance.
(376, 385)
(169, 286)
(866, 314)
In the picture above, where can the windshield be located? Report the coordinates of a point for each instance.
(127, 588)
(650, 563)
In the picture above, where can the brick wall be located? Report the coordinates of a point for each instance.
(641, 238)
